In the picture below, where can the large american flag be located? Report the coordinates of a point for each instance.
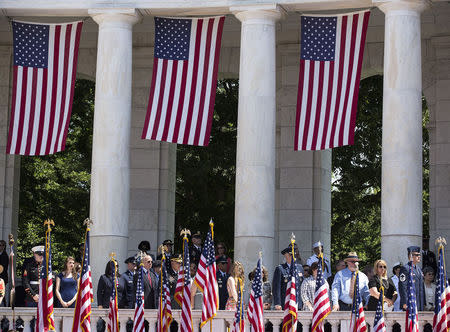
(82, 316)
(412, 318)
(255, 312)
(165, 303)
(332, 48)
(113, 313)
(206, 278)
(183, 290)
(357, 321)
(138, 322)
(290, 302)
(183, 88)
(378, 323)
(45, 66)
(322, 306)
(440, 319)
(44, 317)
(239, 325)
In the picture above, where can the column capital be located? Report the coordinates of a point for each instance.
(389, 6)
(272, 12)
(119, 15)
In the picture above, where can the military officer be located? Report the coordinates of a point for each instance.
(31, 276)
(414, 260)
(172, 275)
(317, 248)
(282, 276)
(128, 282)
(195, 250)
(222, 278)
(168, 251)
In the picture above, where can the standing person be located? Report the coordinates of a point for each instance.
(150, 284)
(428, 257)
(344, 283)
(396, 273)
(340, 265)
(414, 260)
(222, 278)
(172, 275)
(232, 282)
(167, 245)
(430, 288)
(128, 282)
(195, 249)
(30, 277)
(221, 250)
(380, 278)
(67, 284)
(4, 262)
(308, 288)
(317, 249)
(105, 286)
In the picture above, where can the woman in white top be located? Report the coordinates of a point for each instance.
(430, 288)
(396, 273)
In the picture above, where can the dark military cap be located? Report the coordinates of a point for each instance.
(289, 249)
(168, 242)
(177, 258)
(413, 249)
(144, 246)
(130, 260)
(222, 259)
(197, 234)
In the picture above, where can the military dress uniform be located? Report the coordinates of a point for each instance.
(129, 289)
(194, 254)
(418, 284)
(281, 277)
(222, 278)
(31, 281)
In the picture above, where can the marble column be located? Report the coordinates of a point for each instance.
(401, 194)
(110, 178)
(255, 160)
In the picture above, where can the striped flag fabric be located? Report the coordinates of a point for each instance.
(138, 321)
(290, 303)
(183, 89)
(183, 290)
(239, 325)
(165, 303)
(255, 312)
(322, 306)
(357, 321)
(113, 313)
(206, 278)
(440, 318)
(45, 66)
(332, 48)
(412, 317)
(44, 318)
(83, 306)
(378, 323)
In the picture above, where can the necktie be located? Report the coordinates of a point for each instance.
(352, 285)
(149, 279)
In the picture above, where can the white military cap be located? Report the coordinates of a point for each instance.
(37, 249)
(317, 244)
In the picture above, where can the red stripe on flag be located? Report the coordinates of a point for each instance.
(13, 109)
(42, 112)
(150, 100)
(299, 103)
(32, 111)
(318, 106)
(23, 100)
(169, 113)
(328, 105)
(176, 131)
(309, 103)
(161, 98)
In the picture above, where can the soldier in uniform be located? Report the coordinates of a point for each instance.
(168, 251)
(414, 260)
(172, 275)
(128, 282)
(195, 250)
(222, 278)
(31, 276)
(317, 248)
(282, 276)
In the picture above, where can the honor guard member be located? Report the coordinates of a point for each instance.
(282, 276)
(128, 282)
(195, 250)
(414, 260)
(317, 248)
(222, 278)
(172, 275)
(31, 276)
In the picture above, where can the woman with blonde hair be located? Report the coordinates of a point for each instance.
(67, 284)
(236, 275)
(379, 279)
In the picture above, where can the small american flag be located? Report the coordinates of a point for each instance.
(255, 312)
(138, 322)
(440, 319)
(113, 315)
(321, 300)
(165, 303)
(412, 318)
(82, 316)
(357, 321)
(183, 290)
(239, 325)
(183, 88)
(45, 66)
(206, 278)
(378, 323)
(290, 303)
(331, 55)
(44, 318)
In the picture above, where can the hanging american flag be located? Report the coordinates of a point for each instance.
(412, 318)
(290, 303)
(440, 318)
(44, 318)
(45, 66)
(82, 316)
(138, 322)
(113, 314)
(165, 303)
(183, 289)
(322, 306)
(239, 325)
(183, 88)
(331, 55)
(206, 278)
(378, 323)
(357, 321)
(255, 312)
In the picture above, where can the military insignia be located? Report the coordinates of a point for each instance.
(402, 277)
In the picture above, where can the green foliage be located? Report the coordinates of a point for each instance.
(57, 186)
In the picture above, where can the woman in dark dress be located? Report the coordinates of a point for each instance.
(105, 285)
(67, 284)
(380, 278)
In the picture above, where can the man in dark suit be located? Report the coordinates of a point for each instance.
(222, 278)
(428, 257)
(4, 261)
(195, 250)
(150, 284)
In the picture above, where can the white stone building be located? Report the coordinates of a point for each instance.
(133, 180)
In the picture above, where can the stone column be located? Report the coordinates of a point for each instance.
(401, 195)
(110, 178)
(255, 160)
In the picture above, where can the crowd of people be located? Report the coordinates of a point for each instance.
(341, 282)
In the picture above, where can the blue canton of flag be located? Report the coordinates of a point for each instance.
(30, 44)
(139, 289)
(412, 319)
(378, 323)
(318, 38)
(172, 38)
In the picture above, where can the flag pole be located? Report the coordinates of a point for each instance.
(211, 224)
(293, 262)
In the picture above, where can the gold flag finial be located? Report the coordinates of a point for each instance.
(185, 232)
(260, 254)
(88, 222)
(113, 256)
(49, 223)
(440, 241)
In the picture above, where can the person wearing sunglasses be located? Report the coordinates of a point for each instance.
(414, 260)
(379, 279)
(30, 276)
